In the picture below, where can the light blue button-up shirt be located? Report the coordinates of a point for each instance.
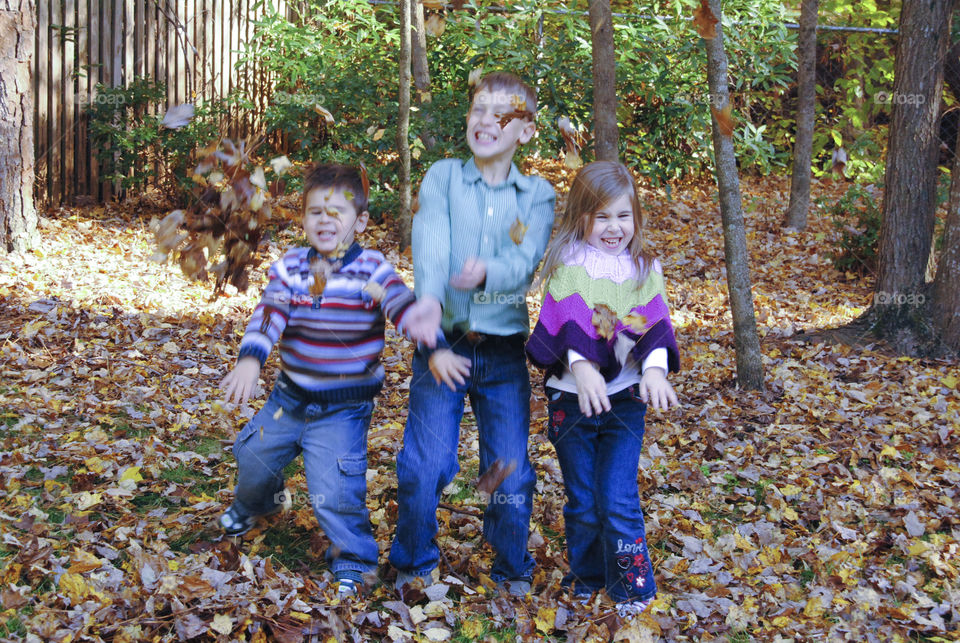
(461, 216)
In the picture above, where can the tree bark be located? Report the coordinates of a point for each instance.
(421, 73)
(746, 338)
(403, 123)
(910, 181)
(604, 81)
(945, 295)
(806, 114)
(18, 216)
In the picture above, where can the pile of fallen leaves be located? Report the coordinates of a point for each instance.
(822, 508)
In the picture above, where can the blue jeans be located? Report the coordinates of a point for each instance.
(599, 457)
(333, 439)
(499, 390)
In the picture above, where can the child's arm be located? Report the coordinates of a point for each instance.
(241, 381)
(513, 267)
(264, 329)
(431, 234)
(655, 390)
(418, 320)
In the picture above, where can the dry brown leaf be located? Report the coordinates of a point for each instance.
(725, 120)
(518, 231)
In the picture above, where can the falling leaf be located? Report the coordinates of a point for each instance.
(495, 474)
(725, 121)
(637, 322)
(325, 113)
(280, 165)
(475, 75)
(178, 116)
(573, 142)
(705, 21)
(605, 321)
(375, 290)
(379, 134)
(518, 231)
(435, 24)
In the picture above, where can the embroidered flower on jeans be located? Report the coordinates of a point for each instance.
(556, 420)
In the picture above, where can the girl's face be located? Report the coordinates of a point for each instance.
(613, 226)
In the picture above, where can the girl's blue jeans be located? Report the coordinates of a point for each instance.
(599, 457)
(499, 390)
(333, 439)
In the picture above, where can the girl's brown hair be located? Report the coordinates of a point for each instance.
(596, 185)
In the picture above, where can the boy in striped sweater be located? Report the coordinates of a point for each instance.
(326, 306)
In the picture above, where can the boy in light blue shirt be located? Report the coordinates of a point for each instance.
(478, 237)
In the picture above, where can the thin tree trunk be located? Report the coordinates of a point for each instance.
(18, 216)
(746, 339)
(945, 302)
(910, 181)
(604, 81)
(806, 113)
(421, 73)
(403, 124)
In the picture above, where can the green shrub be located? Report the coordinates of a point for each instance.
(857, 217)
(126, 130)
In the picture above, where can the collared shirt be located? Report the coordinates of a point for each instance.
(461, 216)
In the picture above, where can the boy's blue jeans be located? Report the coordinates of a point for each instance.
(599, 457)
(499, 390)
(333, 439)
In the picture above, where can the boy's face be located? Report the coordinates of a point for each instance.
(488, 140)
(330, 220)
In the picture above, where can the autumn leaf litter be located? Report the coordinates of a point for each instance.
(824, 507)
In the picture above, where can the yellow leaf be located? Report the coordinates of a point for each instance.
(379, 134)
(790, 514)
(545, 618)
(950, 381)
(636, 322)
(813, 608)
(890, 451)
(131, 473)
(95, 464)
(74, 586)
(83, 561)
(790, 490)
(472, 629)
(278, 413)
(300, 616)
(87, 500)
(222, 624)
(518, 231)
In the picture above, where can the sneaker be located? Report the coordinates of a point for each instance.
(235, 523)
(347, 587)
(627, 609)
(519, 587)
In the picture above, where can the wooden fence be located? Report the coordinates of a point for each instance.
(191, 45)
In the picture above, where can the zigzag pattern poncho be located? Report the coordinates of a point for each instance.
(593, 306)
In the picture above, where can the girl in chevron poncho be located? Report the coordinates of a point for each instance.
(605, 341)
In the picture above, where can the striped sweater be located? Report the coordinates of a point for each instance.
(330, 344)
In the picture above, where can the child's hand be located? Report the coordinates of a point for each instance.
(240, 382)
(591, 388)
(423, 320)
(655, 390)
(473, 273)
(449, 368)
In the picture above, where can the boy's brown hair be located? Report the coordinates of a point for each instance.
(333, 175)
(507, 82)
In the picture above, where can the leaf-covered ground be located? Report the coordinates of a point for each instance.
(822, 509)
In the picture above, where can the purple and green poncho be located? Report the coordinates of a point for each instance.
(592, 304)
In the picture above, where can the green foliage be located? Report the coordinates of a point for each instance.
(857, 217)
(126, 130)
(341, 56)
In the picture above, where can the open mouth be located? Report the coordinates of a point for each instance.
(483, 137)
(611, 242)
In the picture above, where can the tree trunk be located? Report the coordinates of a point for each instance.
(403, 123)
(806, 113)
(746, 339)
(18, 216)
(910, 181)
(421, 73)
(604, 81)
(945, 295)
